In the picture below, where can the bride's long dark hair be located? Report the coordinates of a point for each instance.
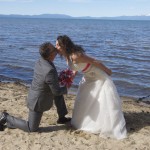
(67, 44)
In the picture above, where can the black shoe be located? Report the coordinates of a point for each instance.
(3, 118)
(1, 127)
(63, 120)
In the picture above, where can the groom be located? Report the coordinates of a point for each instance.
(43, 91)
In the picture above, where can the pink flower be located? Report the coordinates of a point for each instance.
(65, 78)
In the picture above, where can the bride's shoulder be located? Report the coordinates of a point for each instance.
(76, 56)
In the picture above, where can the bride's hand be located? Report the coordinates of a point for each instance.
(74, 74)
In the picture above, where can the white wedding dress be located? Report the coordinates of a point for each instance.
(97, 107)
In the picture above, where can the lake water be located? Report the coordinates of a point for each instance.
(123, 46)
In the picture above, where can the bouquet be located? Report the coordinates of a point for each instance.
(65, 77)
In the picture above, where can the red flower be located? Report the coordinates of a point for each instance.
(65, 78)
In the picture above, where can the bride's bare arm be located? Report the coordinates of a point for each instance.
(82, 58)
(74, 72)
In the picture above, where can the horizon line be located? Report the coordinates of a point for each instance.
(77, 16)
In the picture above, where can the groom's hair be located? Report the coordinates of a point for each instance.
(46, 49)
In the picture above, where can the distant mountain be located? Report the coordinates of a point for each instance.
(36, 16)
(62, 16)
(51, 16)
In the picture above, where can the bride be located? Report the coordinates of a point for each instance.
(97, 107)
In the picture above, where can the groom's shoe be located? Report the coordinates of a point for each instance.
(2, 127)
(3, 118)
(63, 120)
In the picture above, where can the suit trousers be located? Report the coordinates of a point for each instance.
(31, 125)
(60, 106)
(34, 117)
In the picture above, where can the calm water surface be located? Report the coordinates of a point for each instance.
(123, 46)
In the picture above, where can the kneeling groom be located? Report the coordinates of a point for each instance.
(43, 91)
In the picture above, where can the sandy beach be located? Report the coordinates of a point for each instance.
(52, 136)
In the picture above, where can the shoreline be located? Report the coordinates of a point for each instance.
(124, 98)
(56, 137)
(71, 92)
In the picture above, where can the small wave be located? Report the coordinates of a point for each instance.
(17, 67)
(126, 83)
(129, 57)
(12, 46)
(3, 39)
(146, 48)
(11, 79)
(21, 48)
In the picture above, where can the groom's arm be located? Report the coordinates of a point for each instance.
(52, 80)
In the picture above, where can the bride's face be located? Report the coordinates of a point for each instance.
(59, 48)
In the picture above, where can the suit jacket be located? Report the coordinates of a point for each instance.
(44, 86)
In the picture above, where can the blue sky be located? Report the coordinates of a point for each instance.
(76, 8)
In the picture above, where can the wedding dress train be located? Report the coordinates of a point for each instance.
(97, 107)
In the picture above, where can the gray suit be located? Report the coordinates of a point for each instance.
(44, 89)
